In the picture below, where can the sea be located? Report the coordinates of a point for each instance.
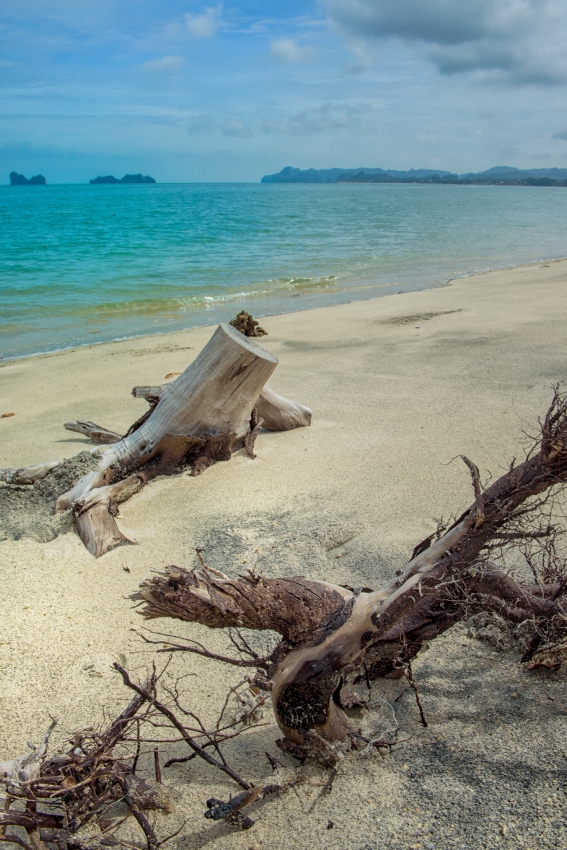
(81, 264)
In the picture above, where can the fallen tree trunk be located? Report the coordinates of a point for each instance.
(206, 414)
(330, 633)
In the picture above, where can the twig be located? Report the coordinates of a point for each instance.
(13, 839)
(405, 664)
(200, 751)
(274, 762)
(145, 826)
(205, 566)
(157, 767)
(327, 787)
(198, 649)
(475, 475)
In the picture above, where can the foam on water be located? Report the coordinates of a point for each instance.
(80, 264)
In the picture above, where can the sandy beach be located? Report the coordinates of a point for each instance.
(399, 386)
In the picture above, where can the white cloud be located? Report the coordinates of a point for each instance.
(166, 65)
(206, 24)
(514, 41)
(288, 51)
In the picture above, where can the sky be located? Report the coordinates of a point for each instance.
(189, 91)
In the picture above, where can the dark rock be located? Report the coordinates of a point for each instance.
(137, 178)
(247, 325)
(19, 180)
(128, 178)
(108, 179)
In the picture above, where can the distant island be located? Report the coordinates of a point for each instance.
(19, 180)
(128, 178)
(500, 175)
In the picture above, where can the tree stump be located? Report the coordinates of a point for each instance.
(202, 417)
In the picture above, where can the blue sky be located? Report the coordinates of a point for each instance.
(195, 91)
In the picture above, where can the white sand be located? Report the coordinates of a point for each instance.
(347, 499)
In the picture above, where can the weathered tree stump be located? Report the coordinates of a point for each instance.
(210, 411)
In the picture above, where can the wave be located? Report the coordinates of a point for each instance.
(140, 305)
(189, 255)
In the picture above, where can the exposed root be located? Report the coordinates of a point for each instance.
(332, 634)
(248, 326)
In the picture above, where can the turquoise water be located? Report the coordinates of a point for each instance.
(81, 264)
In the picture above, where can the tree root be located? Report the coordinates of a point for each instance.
(81, 780)
(331, 633)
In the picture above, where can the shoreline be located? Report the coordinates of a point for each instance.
(399, 387)
(59, 351)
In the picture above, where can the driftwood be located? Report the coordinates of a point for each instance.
(80, 781)
(94, 432)
(280, 414)
(28, 474)
(214, 408)
(276, 412)
(331, 633)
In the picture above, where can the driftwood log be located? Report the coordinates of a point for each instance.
(215, 407)
(331, 633)
(28, 474)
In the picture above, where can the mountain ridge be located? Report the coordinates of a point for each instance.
(508, 173)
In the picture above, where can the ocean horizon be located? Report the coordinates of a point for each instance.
(81, 263)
